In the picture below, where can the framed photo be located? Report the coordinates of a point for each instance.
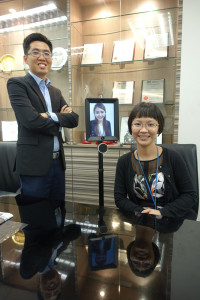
(9, 131)
(102, 119)
(103, 252)
(156, 46)
(92, 54)
(124, 90)
(125, 137)
(153, 90)
(123, 50)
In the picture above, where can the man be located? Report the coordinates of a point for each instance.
(40, 111)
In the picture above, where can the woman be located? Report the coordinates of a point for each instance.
(100, 126)
(154, 178)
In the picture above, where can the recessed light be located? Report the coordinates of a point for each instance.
(12, 10)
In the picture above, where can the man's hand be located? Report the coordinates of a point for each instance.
(151, 211)
(44, 115)
(66, 109)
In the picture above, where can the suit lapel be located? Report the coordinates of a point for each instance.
(33, 84)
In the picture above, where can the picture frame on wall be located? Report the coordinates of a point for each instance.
(124, 91)
(125, 137)
(156, 46)
(123, 51)
(92, 54)
(153, 90)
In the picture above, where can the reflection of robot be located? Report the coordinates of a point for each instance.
(103, 252)
(128, 138)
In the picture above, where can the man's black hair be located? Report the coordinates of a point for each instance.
(35, 37)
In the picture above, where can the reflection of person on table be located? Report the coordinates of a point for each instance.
(100, 126)
(155, 179)
(45, 240)
(143, 255)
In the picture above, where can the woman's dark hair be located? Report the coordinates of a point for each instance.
(149, 270)
(146, 110)
(35, 37)
(105, 123)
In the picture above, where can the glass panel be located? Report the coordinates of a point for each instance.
(47, 18)
(153, 27)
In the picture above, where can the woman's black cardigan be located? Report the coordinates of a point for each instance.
(180, 196)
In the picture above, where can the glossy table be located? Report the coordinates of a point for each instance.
(176, 276)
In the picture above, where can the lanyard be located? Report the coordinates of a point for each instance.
(154, 199)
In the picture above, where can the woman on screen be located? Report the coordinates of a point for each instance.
(153, 179)
(100, 126)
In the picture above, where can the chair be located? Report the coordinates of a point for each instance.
(9, 180)
(189, 154)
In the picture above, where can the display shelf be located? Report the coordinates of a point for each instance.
(119, 21)
(9, 73)
(6, 44)
(136, 26)
(135, 64)
(173, 10)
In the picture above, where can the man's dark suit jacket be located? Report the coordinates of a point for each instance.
(36, 133)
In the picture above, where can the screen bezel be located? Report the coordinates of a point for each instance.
(115, 134)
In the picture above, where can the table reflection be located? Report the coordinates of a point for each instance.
(116, 256)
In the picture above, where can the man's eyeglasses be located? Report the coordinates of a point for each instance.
(149, 125)
(37, 54)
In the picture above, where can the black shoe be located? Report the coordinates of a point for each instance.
(69, 233)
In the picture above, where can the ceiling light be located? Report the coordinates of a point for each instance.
(33, 25)
(29, 12)
(12, 10)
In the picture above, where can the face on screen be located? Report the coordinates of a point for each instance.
(99, 114)
(101, 119)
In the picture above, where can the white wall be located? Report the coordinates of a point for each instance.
(189, 114)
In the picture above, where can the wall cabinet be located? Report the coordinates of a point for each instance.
(107, 22)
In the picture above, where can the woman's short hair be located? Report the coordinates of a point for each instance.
(147, 271)
(146, 110)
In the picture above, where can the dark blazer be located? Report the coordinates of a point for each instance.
(35, 133)
(92, 127)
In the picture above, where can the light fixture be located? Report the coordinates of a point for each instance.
(33, 25)
(12, 10)
(44, 15)
(29, 12)
(102, 294)
(115, 224)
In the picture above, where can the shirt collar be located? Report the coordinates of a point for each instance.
(39, 80)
